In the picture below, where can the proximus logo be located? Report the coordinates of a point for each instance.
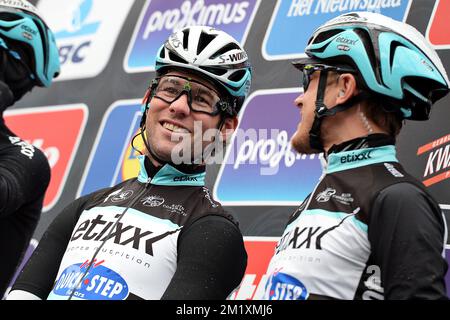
(196, 13)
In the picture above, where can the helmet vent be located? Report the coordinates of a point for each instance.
(204, 40)
(8, 16)
(237, 76)
(176, 58)
(326, 35)
(228, 47)
(216, 71)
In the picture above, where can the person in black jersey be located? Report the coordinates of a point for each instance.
(28, 58)
(160, 235)
(368, 230)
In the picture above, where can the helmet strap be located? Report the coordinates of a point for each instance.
(323, 111)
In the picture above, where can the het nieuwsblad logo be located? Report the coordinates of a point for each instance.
(85, 32)
(437, 30)
(160, 18)
(437, 168)
(302, 17)
(57, 131)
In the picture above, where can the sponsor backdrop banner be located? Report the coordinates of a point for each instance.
(107, 50)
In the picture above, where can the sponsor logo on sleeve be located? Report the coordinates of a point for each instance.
(56, 130)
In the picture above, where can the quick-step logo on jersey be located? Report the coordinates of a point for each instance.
(281, 286)
(261, 158)
(160, 18)
(85, 32)
(56, 130)
(100, 283)
(437, 31)
(307, 15)
(112, 159)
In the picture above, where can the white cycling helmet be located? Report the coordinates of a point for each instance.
(393, 59)
(211, 53)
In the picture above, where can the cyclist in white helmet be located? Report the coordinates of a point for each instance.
(368, 230)
(28, 58)
(159, 235)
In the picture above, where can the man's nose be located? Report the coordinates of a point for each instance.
(180, 106)
(299, 100)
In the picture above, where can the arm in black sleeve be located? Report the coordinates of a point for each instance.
(406, 233)
(211, 261)
(38, 275)
(23, 177)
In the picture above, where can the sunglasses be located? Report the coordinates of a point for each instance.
(309, 69)
(201, 98)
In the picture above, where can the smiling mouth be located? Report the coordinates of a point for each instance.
(174, 128)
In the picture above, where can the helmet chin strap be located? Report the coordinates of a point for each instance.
(323, 111)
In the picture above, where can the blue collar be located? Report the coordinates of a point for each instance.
(362, 157)
(169, 176)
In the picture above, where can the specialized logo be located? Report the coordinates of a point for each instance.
(112, 159)
(56, 131)
(260, 251)
(101, 283)
(160, 18)
(328, 193)
(282, 286)
(152, 201)
(261, 158)
(437, 31)
(307, 15)
(436, 170)
(86, 39)
(356, 157)
(122, 196)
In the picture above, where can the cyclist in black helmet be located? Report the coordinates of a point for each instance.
(369, 230)
(160, 235)
(28, 58)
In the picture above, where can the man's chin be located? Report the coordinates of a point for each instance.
(301, 145)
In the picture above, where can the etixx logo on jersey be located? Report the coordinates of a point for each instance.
(85, 35)
(160, 18)
(306, 15)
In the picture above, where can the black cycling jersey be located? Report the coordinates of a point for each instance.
(160, 235)
(24, 177)
(367, 231)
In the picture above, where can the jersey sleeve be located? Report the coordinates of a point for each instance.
(39, 273)
(24, 177)
(406, 233)
(211, 260)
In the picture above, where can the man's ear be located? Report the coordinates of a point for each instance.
(228, 127)
(347, 88)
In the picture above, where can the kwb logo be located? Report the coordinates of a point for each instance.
(56, 131)
(437, 31)
(437, 168)
(85, 31)
(260, 251)
(160, 18)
